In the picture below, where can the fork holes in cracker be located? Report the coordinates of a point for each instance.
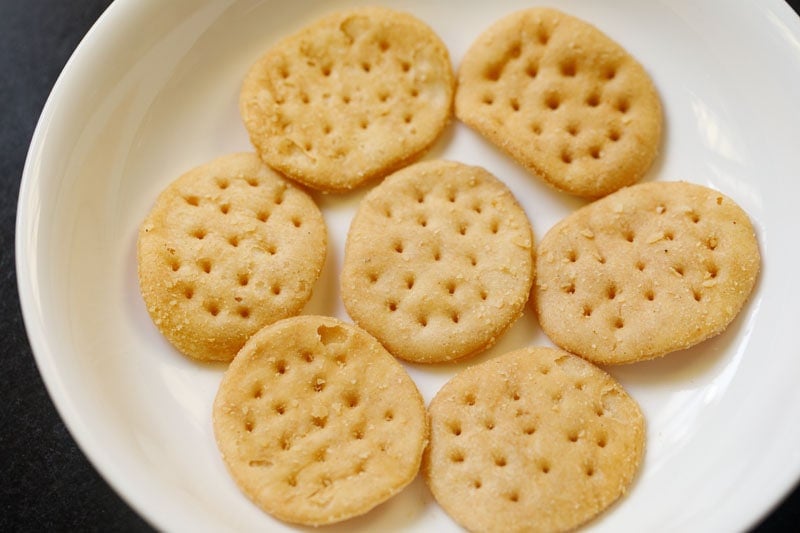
(199, 234)
(193, 201)
(500, 461)
(205, 265)
(514, 103)
(532, 70)
(262, 216)
(456, 456)
(611, 292)
(275, 289)
(552, 101)
(351, 399)
(623, 105)
(544, 467)
(568, 68)
(212, 308)
(587, 311)
(543, 36)
(244, 312)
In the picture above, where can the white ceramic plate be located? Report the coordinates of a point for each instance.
(152, 91)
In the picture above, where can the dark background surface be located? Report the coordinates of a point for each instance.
(46, 483)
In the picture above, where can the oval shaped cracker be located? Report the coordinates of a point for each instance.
(563, 99)
(650, 269)
(438, 261)
(317, 422)
(349, 98)
(534, 440)
(227, 248)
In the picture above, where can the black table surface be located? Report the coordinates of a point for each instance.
(48, 484)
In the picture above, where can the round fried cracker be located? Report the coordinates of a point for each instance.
(349, 98)
(563, 99)
(317, 422)
(228, 248)
(650, 269)
(533, 440)
(438, 261)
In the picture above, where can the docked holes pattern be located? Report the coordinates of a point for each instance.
(568, 68)
(212, 307)
(552, 101)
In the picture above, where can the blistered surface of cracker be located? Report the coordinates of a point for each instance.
(563, 99)
(438, 261)
(228, 248)
(317, 423)
(350, 98)
(648, 270)
(533, 440)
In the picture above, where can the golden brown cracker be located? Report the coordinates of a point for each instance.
(438, 261)
(563, 99)
(317, 422)
(349, 98)
(533, 440)
(228, 247)
(650, 269)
